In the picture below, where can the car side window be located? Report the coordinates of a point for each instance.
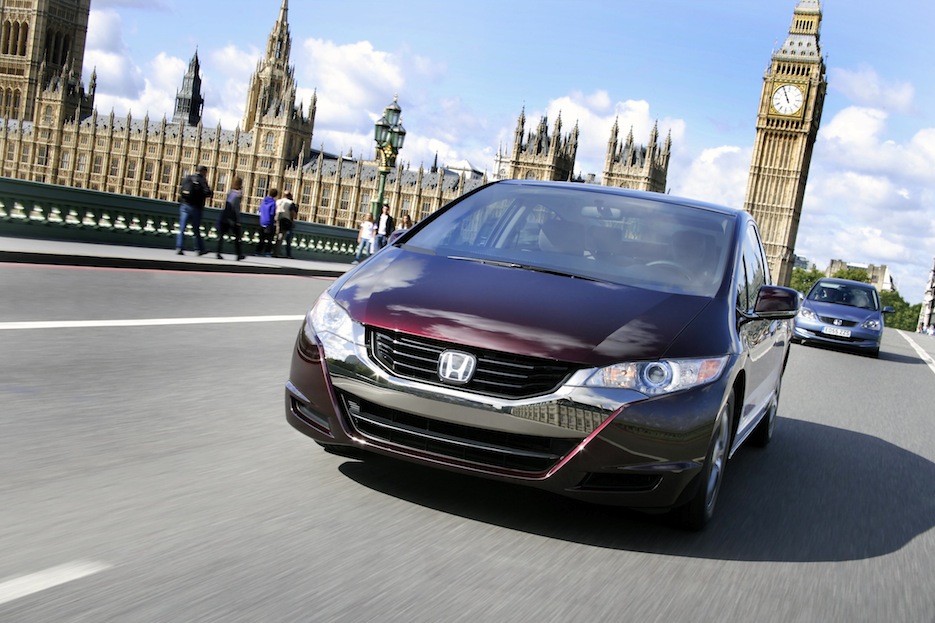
(753, 271)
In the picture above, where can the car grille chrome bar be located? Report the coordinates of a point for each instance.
(497, 374)
(490, 449)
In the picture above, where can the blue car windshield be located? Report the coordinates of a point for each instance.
(864, 297)
(634, 241)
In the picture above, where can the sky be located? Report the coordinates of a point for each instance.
(463, 73)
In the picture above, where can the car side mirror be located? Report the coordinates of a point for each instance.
(889, 310)
(776, 303)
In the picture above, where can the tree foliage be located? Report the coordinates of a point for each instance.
(803, 279)
(854, 274)
(905, 316)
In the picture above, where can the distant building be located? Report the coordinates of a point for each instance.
(51, 133)
(538, 156)
(927, 313)
(786, 128)
(879, 275)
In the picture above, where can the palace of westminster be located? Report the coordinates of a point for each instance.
(51, 133)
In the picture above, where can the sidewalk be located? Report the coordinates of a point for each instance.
(28, 250)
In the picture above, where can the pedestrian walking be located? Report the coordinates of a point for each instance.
(229, 221)
(286, 213)
(267, 223)
(385, 227)
(364, 238)
(193, 193)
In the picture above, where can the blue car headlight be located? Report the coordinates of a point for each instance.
(873, 324)
(807, 314)
(654, 378)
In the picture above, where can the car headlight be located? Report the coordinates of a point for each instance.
(332, 325)
(654, 378)
(808, 314)
(873, 324)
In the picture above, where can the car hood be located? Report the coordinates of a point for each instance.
(519, 311)
(837, 310)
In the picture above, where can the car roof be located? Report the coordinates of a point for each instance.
(626, 192)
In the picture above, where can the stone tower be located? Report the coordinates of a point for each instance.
(189, 103)
(540, 157)
(40, 41)
(786, 127)
(281, 129)
(635, 166)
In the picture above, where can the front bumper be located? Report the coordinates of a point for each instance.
(859, 339)
(606, 446)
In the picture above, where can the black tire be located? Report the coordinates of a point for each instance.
(696, 514)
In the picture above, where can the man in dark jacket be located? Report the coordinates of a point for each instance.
(192, 196)
(267, 223)
(384, 227)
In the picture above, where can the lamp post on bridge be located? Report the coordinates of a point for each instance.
(389, 135)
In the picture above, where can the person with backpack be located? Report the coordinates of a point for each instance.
(286, 213)
(192, 196)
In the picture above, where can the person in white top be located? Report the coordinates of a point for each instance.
(365, 238)
(286, 212)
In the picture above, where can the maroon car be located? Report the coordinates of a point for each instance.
(609, 345)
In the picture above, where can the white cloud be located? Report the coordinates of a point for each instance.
(717, 175)
(866, 87)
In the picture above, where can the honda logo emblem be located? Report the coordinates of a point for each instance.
(456, 367)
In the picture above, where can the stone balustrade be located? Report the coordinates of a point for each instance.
(45, 211)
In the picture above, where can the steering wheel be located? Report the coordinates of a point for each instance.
(674, 268)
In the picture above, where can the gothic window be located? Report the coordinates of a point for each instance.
(225, 158)
(307, 194)
(10, 151)
(42, 155)
(98, 165)
(81, 164)
(364, 202)
(426, 208)
(407, 203)
(345, 200)
(102, 142)
(25, 155)
(325, 197)
(221, 182)
(66, 160)
(261, 185)
(47, 116)
(166, 173)
(131, 170)
(148, 172)
(270, 141)
(118, 144)
(151, 150)
(114, 167)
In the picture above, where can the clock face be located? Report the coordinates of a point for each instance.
(787, 100)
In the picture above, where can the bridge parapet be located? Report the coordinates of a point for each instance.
(50, 212)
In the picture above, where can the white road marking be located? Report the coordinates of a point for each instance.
(143, 322)
(924, 356)
(34, 582)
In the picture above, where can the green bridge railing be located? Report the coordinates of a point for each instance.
(49, 212)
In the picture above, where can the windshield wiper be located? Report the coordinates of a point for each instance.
(530, 267)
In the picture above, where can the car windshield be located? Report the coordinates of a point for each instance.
(581, 233)
(845, 294)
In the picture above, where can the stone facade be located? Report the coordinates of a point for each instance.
(880, 276)
(787, 124)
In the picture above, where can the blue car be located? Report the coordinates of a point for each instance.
(842, 313)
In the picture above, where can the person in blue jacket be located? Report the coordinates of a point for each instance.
(267, 224)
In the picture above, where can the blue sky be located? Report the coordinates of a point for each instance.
(463, 73)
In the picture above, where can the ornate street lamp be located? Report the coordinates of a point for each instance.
(389, 135)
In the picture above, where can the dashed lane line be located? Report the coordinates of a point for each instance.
(142, 322)
(924, 356)
(23, 586)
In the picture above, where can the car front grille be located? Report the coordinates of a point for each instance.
(498, 374)
(456, 442)
(837, 322)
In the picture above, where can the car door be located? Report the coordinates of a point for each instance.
(763, 341)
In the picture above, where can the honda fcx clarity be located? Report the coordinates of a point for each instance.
(608, 345)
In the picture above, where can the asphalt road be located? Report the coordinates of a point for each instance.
(147, 474)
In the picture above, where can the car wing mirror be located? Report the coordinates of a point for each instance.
(889, 310)
(776, 303)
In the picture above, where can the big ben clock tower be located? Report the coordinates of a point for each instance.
(786, 127)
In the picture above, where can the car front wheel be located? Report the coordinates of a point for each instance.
(698, 512)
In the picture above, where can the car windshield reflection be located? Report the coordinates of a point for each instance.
(617, 239)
